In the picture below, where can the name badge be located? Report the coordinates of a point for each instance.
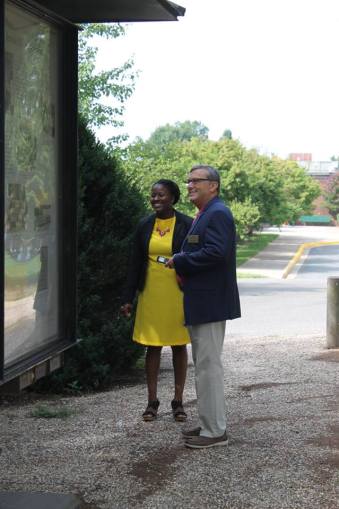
(193, 239)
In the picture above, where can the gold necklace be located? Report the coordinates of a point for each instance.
(162, 232)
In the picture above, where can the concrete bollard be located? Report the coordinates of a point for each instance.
(332, 312)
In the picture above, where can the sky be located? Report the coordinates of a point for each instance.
(265, 69)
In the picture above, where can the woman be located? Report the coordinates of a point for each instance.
(159, 317)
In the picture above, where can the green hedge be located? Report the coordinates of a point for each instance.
(109, 209)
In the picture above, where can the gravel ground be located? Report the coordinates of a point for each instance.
(282, 398)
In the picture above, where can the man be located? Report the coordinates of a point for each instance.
(207, 267)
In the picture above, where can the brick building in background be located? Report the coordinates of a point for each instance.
(296, 156)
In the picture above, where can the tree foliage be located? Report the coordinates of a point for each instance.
(261, 189)
(109, 211)
(246, 216)
(95, 87)
(299, 189)
(331, 196)
(180, 131)
(108, 214)
(227, 134)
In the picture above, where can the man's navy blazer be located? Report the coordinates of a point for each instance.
(138, 263)
(207, 265)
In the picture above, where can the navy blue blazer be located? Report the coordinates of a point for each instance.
(138, 262)
(207, 264)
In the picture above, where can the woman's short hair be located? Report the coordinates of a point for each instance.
(171, 186)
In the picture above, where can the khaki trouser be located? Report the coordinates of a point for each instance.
(207, 343)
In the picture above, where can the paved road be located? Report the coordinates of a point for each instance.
(272, 307)
(321, 262)
(273, 260)
(296, 306)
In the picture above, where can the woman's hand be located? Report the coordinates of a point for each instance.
(126, 310)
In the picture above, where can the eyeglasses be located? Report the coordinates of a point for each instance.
(195, 181)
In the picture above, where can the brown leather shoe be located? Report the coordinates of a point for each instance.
(205, 442)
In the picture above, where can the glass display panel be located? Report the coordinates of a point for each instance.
(31, 169)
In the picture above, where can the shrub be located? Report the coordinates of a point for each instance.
(109, 209)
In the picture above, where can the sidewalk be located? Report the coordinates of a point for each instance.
(273, 260)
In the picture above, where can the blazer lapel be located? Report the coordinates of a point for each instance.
(197, 218)
(147, 232)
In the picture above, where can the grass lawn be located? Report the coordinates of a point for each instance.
(22, 270)
(249, 248)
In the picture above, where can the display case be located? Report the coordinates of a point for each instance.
(39, 190)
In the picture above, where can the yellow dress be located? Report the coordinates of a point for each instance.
(160, 314)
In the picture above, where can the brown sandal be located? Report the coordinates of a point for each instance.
(179, 413)
(150, 414)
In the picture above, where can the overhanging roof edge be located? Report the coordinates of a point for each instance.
(105, 11)
(175, 9)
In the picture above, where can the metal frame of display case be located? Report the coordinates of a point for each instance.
(2, 184)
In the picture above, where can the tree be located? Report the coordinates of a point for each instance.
(275, 189)
(227, 134)
(299, 188)
(180, 131)
(331, 196)
(246, 216)
(95, 87)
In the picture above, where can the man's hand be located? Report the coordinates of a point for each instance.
(170, 263)
(126, 310)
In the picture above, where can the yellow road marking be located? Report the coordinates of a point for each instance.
(300, 252)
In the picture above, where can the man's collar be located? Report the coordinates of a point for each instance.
(209, 203)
